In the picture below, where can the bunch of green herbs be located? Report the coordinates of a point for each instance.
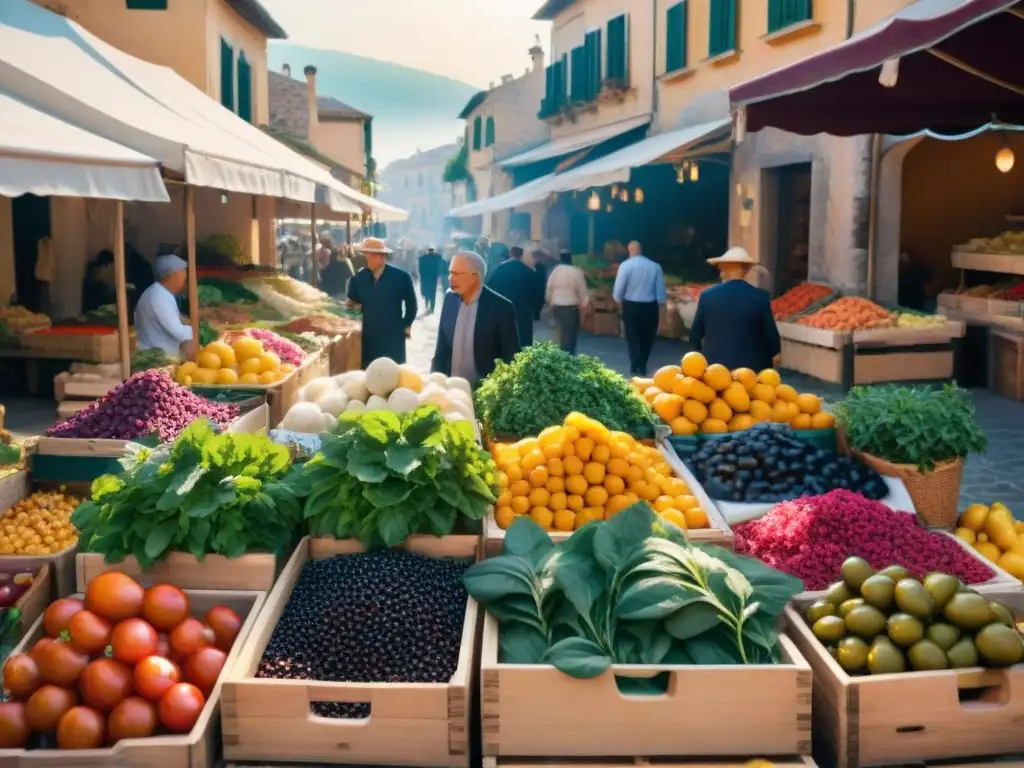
(205, 493)
(921, 426)
(631, 590)
(380, 477)
(543, 384)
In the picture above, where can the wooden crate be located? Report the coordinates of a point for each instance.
(411, 724)
(1008, 366)
(36, 599)
(915, 716)
(533, 710)
(198, 749)
(634, 762)
(102, 348)
(345, 352)
(67, 388)
(253, 572)
(283, 396)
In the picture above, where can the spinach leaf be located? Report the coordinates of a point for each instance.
(578, 657)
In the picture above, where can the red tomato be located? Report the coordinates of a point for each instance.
(37, 649)
(14, 730)
(225, 624)
(133, 718)
(81, 728)
(163, 646)
(21, 675)
(203, 668)
(179, 708)
(57, 616)
(61, 664)
(47, 706)
(89, 633)
(154, 675)
(105, 683)
(114, 596)
(165, 607)
(189, 636)
(133, 640)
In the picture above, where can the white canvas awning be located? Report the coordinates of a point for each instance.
(528, 193)
(578, 141)
(42, 155)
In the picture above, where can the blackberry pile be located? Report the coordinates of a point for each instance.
(379, 617)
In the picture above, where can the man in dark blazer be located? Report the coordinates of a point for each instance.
(514, 280)
(477, 326)
(734, 324)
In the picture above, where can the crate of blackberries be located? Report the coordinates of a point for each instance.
(369, 650)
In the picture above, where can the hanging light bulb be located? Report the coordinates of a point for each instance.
(624, 195)
(680, 175)
(694, 172)
(638, 196)
(615, 190)
(594, 202)
(1005, 159)
(609, 208)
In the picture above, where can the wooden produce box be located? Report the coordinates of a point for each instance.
(606, 324)
(1006, 369)
(255, 572)
(535, 711)
(96, 348)
(345, 353)
(913, 717)
(67, 388)
(282, 396)
(36, 599)
(198, 749)
(741, 762)
(411, 724)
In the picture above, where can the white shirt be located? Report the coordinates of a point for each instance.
(158, 323)
(567, 287)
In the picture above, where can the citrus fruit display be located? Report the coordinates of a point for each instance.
(244, 361)
(993, 532)
(694, 397)
(580, 471)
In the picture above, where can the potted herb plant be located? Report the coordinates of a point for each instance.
(921, 435)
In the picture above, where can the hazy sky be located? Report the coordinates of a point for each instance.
(475, 41)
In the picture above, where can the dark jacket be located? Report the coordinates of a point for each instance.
(734, 326)
(518, 283)
(495, 336)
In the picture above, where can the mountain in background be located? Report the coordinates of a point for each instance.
(411, 109)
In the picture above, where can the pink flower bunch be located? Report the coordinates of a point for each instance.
(288, 351)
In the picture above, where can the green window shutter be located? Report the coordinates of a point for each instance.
(489, 132)
(368, 147)
(562, 81)
(477, 133)
(580, 83)
(675, 37)
(618, 50)
(722, 32)
(244, 88)
(785, 13)
(592, 44)
(146, 5)
(227, 75)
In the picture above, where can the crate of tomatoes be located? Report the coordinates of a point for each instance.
(123, 674)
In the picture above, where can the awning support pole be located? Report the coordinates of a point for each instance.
(591, 232)
(348, 229)
(873, 194)
(193, 278)
(314, 271)
(121, 292)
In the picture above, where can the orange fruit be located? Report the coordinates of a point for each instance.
(720, 410)
(717, 377)
(822, 420)
(575, 502)
(555, 468)
(770, 377)
(802, 421)
(665, 377)
(695, 411)
(227, 376)
(538, 476)
(674, 516)
(601, 453)
(564, 520)
(539, 497)
(746, 377)
(696, 518)
(616, 504)
(694, 364)
(208, 360)
(558, 501)
(760, 410)
(252, 365)
(808, 403)
(614, 485)
(703, 393)
(504, 516)
(786, 392)
(593, 473)
(555, 484)
(617, 467)
(269, 362)
(765, 393)
(737, 398)
(584, 447)
(576, 484)
(596, 496)
(247, 347)
(532, 459)
(740, 422)
(572, 465)
(269, 377)
(520, 505)
(714, 427)
(543, 517)
(683, 426)
(664, 502)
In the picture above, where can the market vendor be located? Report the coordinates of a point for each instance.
(734, 324)
(158, 324)
(388, 300)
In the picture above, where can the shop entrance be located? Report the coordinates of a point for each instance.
(793, 185)
(31, 220)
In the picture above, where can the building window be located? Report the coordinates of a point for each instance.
(579, 77)
(555, 90)
(519, 221)
(785, 13)
(227, 75)
(722, 31)
(592, 44)
(244, 88)
(675, 37)
(618, 51)
(477, 134)
(146, 5)
(489, 132)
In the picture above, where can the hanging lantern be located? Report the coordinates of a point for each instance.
(1005, 159)
(615, 190)
(638, 196)
(594, 202)
(609, 208)
(680, 175)
(694, 172)
(624, 195)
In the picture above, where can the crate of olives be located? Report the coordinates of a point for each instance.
(909, 670)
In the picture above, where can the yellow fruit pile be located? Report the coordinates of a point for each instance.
(38, 525)
(994, 533)
(581, 471)
(244, 361)
(696, 397)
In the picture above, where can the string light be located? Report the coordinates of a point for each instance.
(694, 172)
(624, 195)
(638, 196)
(1005, 159)
(594, 202)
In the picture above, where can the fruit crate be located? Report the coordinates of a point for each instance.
(535, 711)
(255, 571)
(630, 762)
(911, 717)
(1006, 368)
(411, 724)
(200, 748)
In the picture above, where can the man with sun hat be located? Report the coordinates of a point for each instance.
(388, 300)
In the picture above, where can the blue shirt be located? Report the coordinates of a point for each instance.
(158, 323)
(639, 279)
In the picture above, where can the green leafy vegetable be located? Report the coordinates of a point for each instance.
(204, 494)
(631, 590)
(543, 384)
(911, 425)
(384, 476)
(9, 454)
(145, 359)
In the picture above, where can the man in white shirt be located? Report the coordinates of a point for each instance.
(566, 294)
(158, 323)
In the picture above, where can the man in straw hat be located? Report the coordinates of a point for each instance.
(734, 324)
(388, 300)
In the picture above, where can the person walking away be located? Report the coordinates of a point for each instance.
(518, 283)
(388, 301)
(540, 268)
(734, 324)
(334, 278)
(443, 272)
(430, 265)
(477, 326)
(639, 290)
(566, 293)
(158, 324)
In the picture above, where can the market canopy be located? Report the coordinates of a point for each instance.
(939, 64)
(42, 155)
(578, 141)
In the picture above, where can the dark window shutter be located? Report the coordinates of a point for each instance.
(227, 75)
(722, 32)
(580, 85)
(477, 133)
(675, 37)
(244, 88)
(785, 13)
(618, 51)
(593, 46)
(146, 5)
(489, 132)
(562, 82)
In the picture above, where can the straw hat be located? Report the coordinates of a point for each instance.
(373, 245)
(735, 255)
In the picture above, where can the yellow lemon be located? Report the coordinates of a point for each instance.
(249, 378)
(737, 397)
(246, 347)
(694, 364)
(674, 516)
(695, 411)
(760, 410)
(208, 360)
(714, 427)
(187, 368)
(746, 377)
(822, 420)
(808, 403)
(252, 365)
(683, 426)
(665, 377)
(204, 376)
(786, 392)
(227, 376)
(720, 410)
(740, 422)
(504, 516)
(269, 362)
(717, 377)
(770, 377)
(765, 393)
